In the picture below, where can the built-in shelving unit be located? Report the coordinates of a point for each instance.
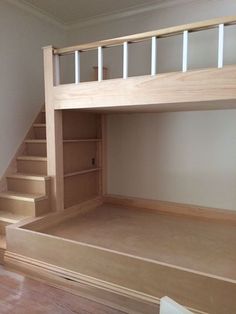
(82, 145)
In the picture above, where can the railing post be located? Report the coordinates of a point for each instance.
(154, 56)
(100, 64)
(54, 133)
(57, 72)
(77, 67)
(125, 60)
(185, 51)
(221, 46)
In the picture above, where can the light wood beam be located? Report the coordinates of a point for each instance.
(193, 90)
(54, 134)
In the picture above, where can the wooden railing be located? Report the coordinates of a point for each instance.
(219, 23)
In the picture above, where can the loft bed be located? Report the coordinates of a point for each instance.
(123, 251)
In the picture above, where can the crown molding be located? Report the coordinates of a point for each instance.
(124, 13)
(38, 13)
(135, 10)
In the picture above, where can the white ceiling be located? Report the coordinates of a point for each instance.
(74, 11)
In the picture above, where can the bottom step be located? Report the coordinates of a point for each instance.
(7, 218)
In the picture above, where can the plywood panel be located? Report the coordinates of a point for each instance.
(77, 124)
(80, 188)
(116, 271)
(80, 156)
(171, 91)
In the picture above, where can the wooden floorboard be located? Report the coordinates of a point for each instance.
(22, 295)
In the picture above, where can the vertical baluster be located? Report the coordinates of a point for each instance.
(100, 64)
(57, 78)
(154, 56)
(185, 51)
(125, 60)
(77, 67)
(221, 46)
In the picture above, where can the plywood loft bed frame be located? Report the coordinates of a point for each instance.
(88, 245)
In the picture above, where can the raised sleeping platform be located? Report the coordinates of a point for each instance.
(134, 253)
(123, 251)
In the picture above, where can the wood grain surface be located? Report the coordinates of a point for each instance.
(22, 295)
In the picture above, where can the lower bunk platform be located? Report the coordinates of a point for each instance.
(130, 257)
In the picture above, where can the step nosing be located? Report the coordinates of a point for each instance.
(30, 198)
(29, 177)
(34, 158)
(36, 141)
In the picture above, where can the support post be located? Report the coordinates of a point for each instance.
(154, 56)
(100, 64)
(221, 46)
(77, 67)
(185, 51)
(125, 60)
(104, 155)
(54, 132)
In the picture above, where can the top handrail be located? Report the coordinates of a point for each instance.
(165, 32)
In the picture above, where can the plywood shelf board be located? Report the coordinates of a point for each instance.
(82, 140)
(35, 141)
(39, 125)
(81, 172)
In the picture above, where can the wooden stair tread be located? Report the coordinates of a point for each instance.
(39, 125)
(36, 141)
(32, 158)
(26, 176)
(9, 217)
(2, 242)
(22, 196)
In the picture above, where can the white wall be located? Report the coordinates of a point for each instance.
(21, 74)
(182, 157)
(186, 157)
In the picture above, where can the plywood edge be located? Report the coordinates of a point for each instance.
(223, 215)
(120, 298)
(209, 88)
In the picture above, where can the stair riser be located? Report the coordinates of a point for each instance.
(28, 186)
(36, 149)
(41, 118)
(40, 132)
(32, 167)
(3, 227)
(18, 207)
(33, 209)
(42, 207)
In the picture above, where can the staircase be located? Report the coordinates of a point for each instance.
(27, 193)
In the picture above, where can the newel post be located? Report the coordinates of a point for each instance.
(53, 130)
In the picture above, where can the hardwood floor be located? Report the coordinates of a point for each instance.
(22, 295)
